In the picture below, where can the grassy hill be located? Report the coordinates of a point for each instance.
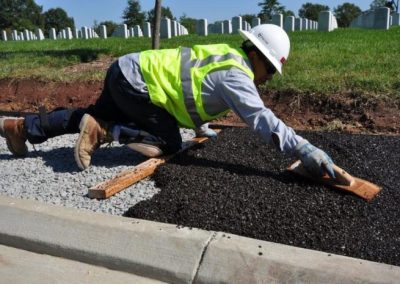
(355, 61)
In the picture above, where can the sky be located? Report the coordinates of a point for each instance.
(86, 12)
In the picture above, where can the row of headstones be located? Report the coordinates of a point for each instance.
(168, 28)
(25, 35)
(326, 22)
(67, 33)
(379, 18)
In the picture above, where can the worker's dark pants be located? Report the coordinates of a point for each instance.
(118, 103)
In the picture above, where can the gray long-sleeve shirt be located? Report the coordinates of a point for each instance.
(228, 89)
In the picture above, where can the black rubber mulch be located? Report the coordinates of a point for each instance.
(237, 184)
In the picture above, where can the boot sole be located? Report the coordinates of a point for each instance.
(9, 146)
(82, 124)
(146, 149)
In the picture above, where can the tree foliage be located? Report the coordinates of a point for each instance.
(311, 11)
(269, 8)
(165, 13)
(20, 14)
(346, 13)
(248, 17)
(377, 3)
(188, 23)
(132, 14)
(57, 18)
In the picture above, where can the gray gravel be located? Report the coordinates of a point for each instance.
(49, 174)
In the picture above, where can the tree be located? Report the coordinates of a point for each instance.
(248, 17)
(188, 23)
(20, 14)
(288, 13)
(156, 25)
(377, 3)
(346, 13)
(311, 11)
(269, 8)
(57, 18)
(132, 14)
(165, 13)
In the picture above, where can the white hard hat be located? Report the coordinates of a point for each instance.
(272, 41)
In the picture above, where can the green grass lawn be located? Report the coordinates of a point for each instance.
(362, 62)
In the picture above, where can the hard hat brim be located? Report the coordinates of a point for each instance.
(248, 36)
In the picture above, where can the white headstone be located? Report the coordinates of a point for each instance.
(277, 20)
(227, 26)
(4, 35)
(325, 21)
(304, 24)
(27, 35)
(103, 31)
(396, 19)
(165, 28)
(137, 31)
(52, 33)
(39, 34)
(381, 19)
(289, 24)
(21, 36)
(75, 33)
(202, 27)
(85, 32)
(298, 24)
(255, 22)
(15, 35)
(368, 19)
(211, 29)
(68, 33)
(118, 32)
(174, 28)
(219, 27)
(180, 28)
(236, 24)
(124, 31)
(147, 29)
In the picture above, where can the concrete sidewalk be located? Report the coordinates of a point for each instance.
(128, 247)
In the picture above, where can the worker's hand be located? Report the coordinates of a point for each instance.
(204, 131)
(316, 161)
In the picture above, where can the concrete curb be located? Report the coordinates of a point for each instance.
(167, 253)
(21, 267)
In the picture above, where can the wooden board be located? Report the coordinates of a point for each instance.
(129, 177)
(343, 181)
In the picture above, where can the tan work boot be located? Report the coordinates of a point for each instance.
(13, 130)
(93, 134)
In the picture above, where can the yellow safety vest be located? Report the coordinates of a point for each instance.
(174, 78)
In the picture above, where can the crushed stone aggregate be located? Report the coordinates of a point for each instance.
(49, 174)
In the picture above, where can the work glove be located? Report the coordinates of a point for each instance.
(316, 161)
(204, 131)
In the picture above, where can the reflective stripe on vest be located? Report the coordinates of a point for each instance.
(176, 85)
(187, 64)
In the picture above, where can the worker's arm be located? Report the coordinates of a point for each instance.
(241, 95)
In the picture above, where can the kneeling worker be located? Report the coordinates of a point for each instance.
(147, 96)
